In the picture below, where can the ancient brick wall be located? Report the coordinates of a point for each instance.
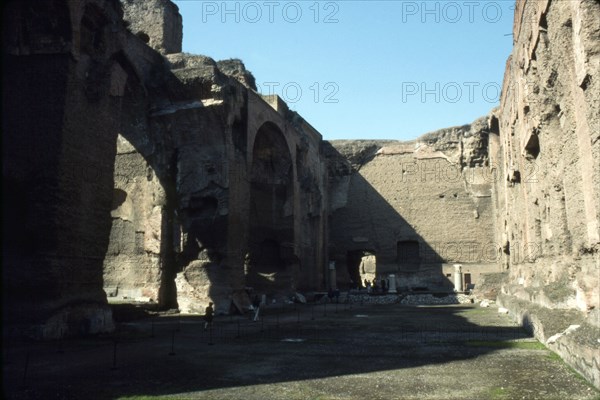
(548, 154)
(189, 217)
(434, 192)
(132, 264)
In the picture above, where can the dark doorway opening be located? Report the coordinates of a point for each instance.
(468, 282)
(408, 254)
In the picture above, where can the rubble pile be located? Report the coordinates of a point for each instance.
(426, 299)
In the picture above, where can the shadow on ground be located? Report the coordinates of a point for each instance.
(332, 351)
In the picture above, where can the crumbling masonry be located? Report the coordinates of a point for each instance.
(135, 172)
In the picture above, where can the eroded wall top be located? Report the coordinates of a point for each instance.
(156, 22)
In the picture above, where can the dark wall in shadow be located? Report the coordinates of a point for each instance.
(59, 132)
(271, 239)
(69, 87)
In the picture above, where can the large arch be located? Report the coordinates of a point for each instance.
(272, 263)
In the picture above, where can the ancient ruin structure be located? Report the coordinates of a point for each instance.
(545, 141)
(146, 176)
(135, 172)
(379, 191)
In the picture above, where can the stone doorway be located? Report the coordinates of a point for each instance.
(362, 265)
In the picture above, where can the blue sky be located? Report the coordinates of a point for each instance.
(364, 69)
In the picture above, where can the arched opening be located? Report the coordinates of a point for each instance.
(271, 243)
(362, 267)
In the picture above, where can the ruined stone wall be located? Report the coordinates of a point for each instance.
(311, 170)
(64, 90)
(433, 193)
(132, 267)
(199, 128)
(189, 222)
(548, 154)
(156, 22)
(129, 171)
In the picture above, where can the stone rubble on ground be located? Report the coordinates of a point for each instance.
(426, 299)
(367, 299)
(412, 299)
(300, 298)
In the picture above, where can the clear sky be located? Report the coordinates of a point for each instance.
(364, 69)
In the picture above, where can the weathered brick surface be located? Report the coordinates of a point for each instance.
(547, 150)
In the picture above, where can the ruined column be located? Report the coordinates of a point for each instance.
(332, 275)
(392, 284)
(458, 281)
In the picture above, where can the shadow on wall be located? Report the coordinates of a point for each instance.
(64, 113)
(271, 261)
(369, 239)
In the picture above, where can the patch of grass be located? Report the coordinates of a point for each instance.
(531, 345)
(554, 357)
(475, 311)
(497, 393)
(577, 374)
(503, 344)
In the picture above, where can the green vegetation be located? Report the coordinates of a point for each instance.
(504, 344)
(529, 345)
(498, 393)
